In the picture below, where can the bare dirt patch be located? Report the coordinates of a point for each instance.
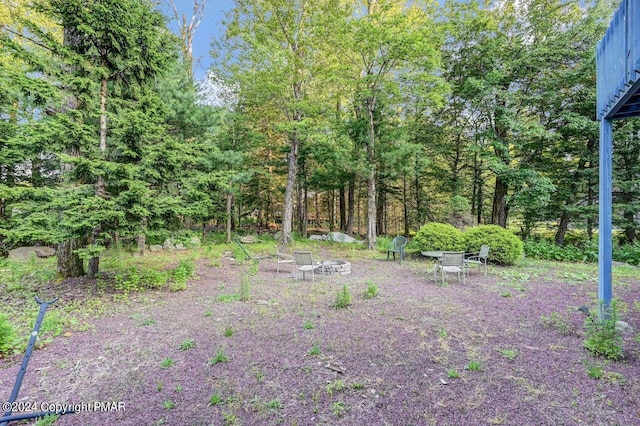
(286, 356)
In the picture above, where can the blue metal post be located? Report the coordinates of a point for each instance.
(606, 201)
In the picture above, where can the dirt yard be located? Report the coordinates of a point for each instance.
(505, 349)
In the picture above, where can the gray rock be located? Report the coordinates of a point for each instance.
(155, 248)
(180, 246)
(623, 327)
(25, 253)
(169, 244)
(194, 242)
(316, 237)
(339, 237)
(44, 252)
(249, 239)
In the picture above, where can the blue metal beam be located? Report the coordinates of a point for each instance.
(606, 201)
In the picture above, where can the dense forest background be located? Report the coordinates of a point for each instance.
(371, 117)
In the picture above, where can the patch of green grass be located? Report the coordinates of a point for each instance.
(315, 350)
(159, 386)
(48, 420)
(274, 404)
(474, 366)
(220, 357)
(559, 322)
(452, 373)
(339, 408)
(230, 419)
(208, 313)
(228, 331)
(187, 344)
(505, 294)
(357, 386)
(167, 362)
(508, 353)
(168, 404)
(443, 333)
(178, 389)
(595, 371)
(335, 386)
(309, 325)
(225, 298)
(149, 321)
(215, 399)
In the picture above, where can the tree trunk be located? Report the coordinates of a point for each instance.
(305, 216)
(287, 216)
(142, 236)
(69, 264)
(343, 211)
(405, 205)
(500, 210)
(630, 229)
(371, 178)
(229, 220)
(562, 229)
(351, 205)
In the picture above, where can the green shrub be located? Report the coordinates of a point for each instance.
(439, 236)
(603, 338)
(343, 298)
(628, 253)
(505, 246)
(7, 335)
(548, 250)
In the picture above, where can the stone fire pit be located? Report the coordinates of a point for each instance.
(331, 267)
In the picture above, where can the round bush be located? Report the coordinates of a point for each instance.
(505, 247)
(439, 236)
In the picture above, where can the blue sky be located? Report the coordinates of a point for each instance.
(210, 26)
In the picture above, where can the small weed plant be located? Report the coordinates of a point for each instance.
(559, 322)
(335, 386)
(168, 404)
(167, 362)
(594, 371)
(220, 357)
(215, 399)
(309, 325)
(452, 373)
(228, 331)
(187, 344)
(603, 339)
(339, 408)
(274, 404)
(474, 366)
(315, 350)
(508, 353)
(343, 298)
(181, 274)
(371, 291)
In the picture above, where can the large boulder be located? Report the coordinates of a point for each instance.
(339, 237)
(24, 253)
(249, 239)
